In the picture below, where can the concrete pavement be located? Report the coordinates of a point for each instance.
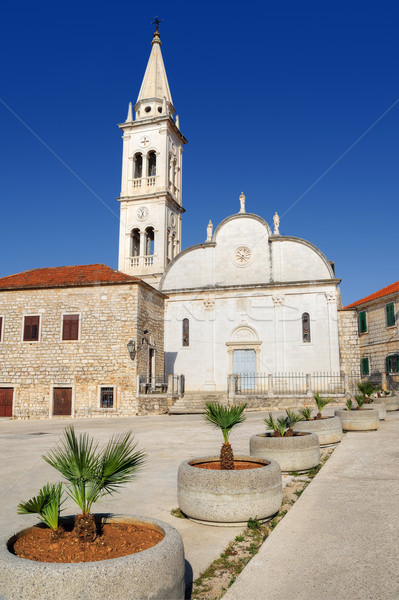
(340, 539)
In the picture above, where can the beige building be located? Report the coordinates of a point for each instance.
(74, 339)
(378, 332)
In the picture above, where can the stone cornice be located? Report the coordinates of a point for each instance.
(248, 286)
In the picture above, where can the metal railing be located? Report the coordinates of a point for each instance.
(171, 385)
(297, 384)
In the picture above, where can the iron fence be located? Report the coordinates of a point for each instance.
(160, 384)
(302, 384)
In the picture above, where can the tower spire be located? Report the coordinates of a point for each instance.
(155, 87)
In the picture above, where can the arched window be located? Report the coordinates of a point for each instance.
(152, 164)
(149, 241)
(392, 363)
(135, 242)
(138, 165)
(186, 332)
(305, 327)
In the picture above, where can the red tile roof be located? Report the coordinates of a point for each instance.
(390, 289)
(79, 275)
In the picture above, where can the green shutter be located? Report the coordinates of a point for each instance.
(362, 322)
(365, 366)
(387, 365)
(390, 314)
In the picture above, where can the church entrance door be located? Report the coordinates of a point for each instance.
(244, 364)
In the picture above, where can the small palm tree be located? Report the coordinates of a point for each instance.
(92, 473)
(321, 403)
(292, 418)
(306, 413)
(367, 389)
(283, 426)
(360, 399)
(349, 404)
(225, 418)
(47, 504)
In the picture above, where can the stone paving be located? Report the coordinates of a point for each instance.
(338, 541)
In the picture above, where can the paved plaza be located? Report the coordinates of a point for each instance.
(338, 541)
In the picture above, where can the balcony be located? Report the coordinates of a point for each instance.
(135, 262)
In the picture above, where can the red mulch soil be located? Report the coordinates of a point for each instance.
(116, 539)
(239, 465)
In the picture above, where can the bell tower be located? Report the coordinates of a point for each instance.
(151, 190)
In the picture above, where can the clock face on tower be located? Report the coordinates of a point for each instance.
(142, 213)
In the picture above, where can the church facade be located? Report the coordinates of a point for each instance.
(246, 301)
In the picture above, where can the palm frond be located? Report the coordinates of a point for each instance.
(270, 422)
(321, 402)
(349, 404)
(306, 413)
(360, 399)
(282, 426)
(47, 504)
(367, 388)
(224, 417)
(293, 417)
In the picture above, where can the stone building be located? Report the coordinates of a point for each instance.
(64, 341)
(377, 316)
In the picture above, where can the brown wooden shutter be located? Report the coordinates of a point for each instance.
(70, 327)
(31, 329)
(1, 327)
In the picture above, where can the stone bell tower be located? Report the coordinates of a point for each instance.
(151, 191)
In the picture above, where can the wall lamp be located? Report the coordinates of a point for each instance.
(131, 346)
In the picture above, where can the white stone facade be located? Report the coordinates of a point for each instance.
(248, 290)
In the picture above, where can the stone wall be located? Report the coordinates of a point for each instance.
(110, 316)
(348, 342)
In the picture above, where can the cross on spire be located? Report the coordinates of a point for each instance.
(156, 22)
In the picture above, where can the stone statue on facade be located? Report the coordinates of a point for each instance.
(276, 221)
(209, 231)
(242, 203)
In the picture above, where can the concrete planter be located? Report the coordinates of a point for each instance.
(328, 429)
(228, 498)
(154, 573)
(391, 402)
(379, 407)
(297, 453)
(358, 420)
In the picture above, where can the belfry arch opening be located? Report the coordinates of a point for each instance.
(138, 166)
(152, 164)
(149, 241)
(135, 242)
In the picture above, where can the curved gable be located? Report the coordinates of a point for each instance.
(295, 259)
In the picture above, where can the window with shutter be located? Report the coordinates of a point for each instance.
(31, 329)
(390, 314)
(392, 363)
(363, 322)
(365, 366)
(70, 327)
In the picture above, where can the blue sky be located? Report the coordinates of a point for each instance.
(269, 96)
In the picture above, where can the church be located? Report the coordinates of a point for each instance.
(237, 314)
(247, 299)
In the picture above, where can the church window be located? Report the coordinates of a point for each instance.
(138, 166)
(305, 327)
(392, 363)
(149, 241)
(186, 332)
(152, 164)
(135, 242)
(390, 314)
(70, 327)
(159, 109)
(365, 366)
(31, 329)
(363, 322)
(147, 109)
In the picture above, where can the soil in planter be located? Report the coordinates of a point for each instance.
(116, 539)
(239, 465)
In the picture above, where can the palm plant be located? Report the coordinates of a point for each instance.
(283, 426)
(225, 418)
(306, 413)
(92, 473)
(349, 404)
(360, 399)
(47, 504)
(367, 389)
(321, 403)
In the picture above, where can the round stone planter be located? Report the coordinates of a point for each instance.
(379, 407)
(154, 573)
(299, 452)
(358, 420)
(391, 402)
(228, 498)
(327, 429)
